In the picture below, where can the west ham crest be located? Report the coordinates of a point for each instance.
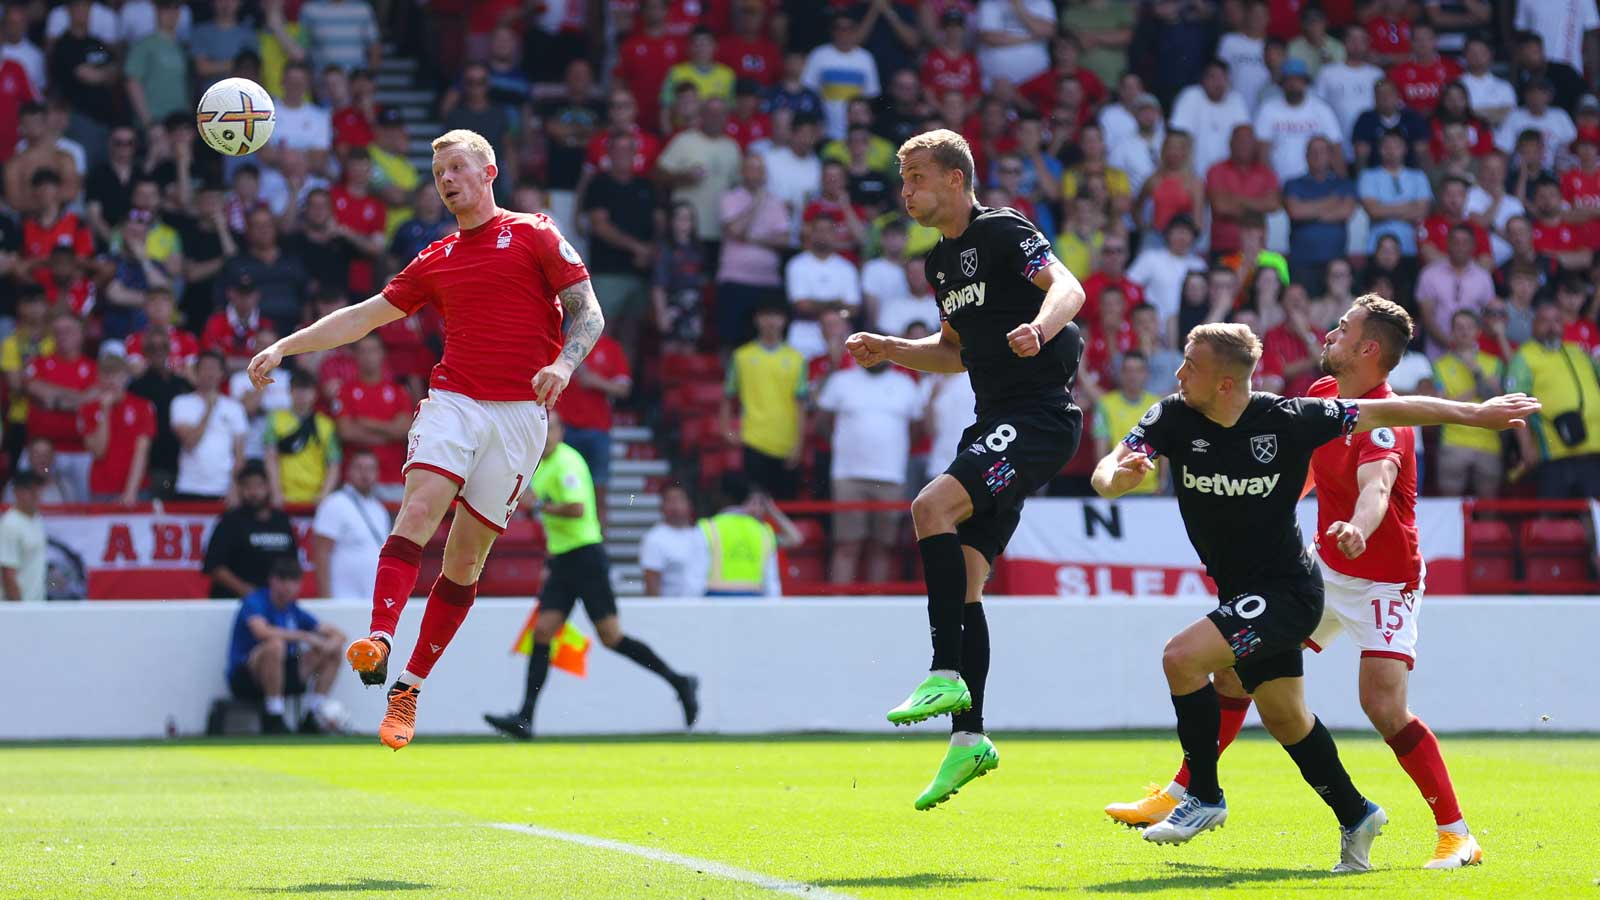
(969, 261)
(1264, 447)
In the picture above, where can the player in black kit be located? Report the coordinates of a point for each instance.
(1005, 306)
(1238, 460)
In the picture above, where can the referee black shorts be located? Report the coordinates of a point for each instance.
(581, 574)
(1006, 456)
(1267, 622)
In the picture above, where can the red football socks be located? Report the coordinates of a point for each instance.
(398, 563)
(1418, 752)
(448, 604)
(1233, 713)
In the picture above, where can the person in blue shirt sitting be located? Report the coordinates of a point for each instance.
(279, 648)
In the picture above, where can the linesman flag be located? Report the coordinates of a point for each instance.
(569, 650)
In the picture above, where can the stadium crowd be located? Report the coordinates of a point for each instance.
(727, 168)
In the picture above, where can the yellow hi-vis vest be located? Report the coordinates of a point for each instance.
(739, 547)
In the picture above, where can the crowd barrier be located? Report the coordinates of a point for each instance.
(126, 669)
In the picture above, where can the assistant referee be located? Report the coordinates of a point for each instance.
(562, 494)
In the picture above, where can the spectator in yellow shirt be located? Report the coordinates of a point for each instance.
(1118, 411)
(1564, 439)
(1470, 462)
(28, 342)
(709, 77)
(767, 378)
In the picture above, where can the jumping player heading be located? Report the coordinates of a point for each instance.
(503, 282)
(1238, 459)
(1372, 572)
(1006, 306)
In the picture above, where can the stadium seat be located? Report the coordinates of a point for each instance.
(691, 398)
(1491, 553)
(800, 566)
(678, 368)
(1556, 550)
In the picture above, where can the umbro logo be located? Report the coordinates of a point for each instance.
(940, 276)
(1200, 445)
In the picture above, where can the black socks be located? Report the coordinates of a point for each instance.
(974, 665)
(945, 571)
(640, 652)
(538, 668)
(1199, 719)
(1319, 764)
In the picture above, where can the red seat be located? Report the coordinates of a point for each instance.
(1569, 567)
(802, 566)
(810, 529)
(1482, 569)
(1490, 537)
(677, 368)
(1555, 537)
(692, 398)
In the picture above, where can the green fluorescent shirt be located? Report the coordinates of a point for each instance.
(563, 477)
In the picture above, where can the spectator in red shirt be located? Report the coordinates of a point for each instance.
(1292, 352)
(645, 56)
(749, 52)
(1455, 107)
(1111, 273)
(374, 414)
(364, 215)
(1044, 90)
(353, 125)
(834, 203)
(117, 428)
(68, 289)
(1572, 295)
(58, 384)
(1111, 336)
(1390, 27)
(949, 66)
(233, 332)
(50, 225)
(1422, 78)
(1433, 236)
(585, 409)
(1580, 185)
(622, 117)
(748, 124)
(1553, 235)
(1243, 183)
(183, 347)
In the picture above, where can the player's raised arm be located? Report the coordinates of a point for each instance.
(340, 327)
(939, 352)
(1498, 414)
(1063, 298)
(1120, 471)
(585, 322)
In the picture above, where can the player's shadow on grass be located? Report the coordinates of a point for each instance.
(360, 885)
(918, 880)
(1194, 876)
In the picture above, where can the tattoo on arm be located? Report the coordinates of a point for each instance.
(584, 322)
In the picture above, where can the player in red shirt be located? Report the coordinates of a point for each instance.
(117, 428)
(56, 385)
(1421, 79)
(504, 283)
(374, 413)
(1372, 571)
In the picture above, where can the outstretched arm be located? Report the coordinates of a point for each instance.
(1063, 297)
(935, 353)
(1377, 482)
(340, 327)
(1498, 414)
(585, 322)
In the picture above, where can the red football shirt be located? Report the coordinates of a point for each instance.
(1279, 349)
(15, 90)
(585, 407)
(646, 147)
(1100, 352)
(1226, 178)
(352, 128)
(363, 215)
(77, 295)
(229, 335)
(1584, 333)
(496, 286)
(68, 231)
(185, 348)
(756, 59)
(747, 131)
(132, 418)
(1557, 237)
(642, 64)
(943, 72)
(1480, 138)
(60, 426)
(1580, 188)
(1096, 283)
(383, 401)
(1435, 231)
(1389, 36)
(1392, 555)
(1421, 85)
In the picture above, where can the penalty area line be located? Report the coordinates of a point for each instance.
(720, 870)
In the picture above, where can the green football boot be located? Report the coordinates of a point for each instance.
(935, 696)
(961, 765)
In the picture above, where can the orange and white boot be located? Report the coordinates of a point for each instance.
(1455, 851)
(400, 722)
(369, 657)
(1153, 807)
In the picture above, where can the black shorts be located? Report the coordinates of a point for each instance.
(1004, 457)
(243, 685)
(1267, 623)
(581, 574)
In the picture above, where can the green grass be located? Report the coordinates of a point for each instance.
(347, 818)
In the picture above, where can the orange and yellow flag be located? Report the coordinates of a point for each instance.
(569, 651)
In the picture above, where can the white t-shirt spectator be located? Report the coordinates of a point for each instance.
(1137, 156)
(1247, 66)
(951, 407)
(1117, 123)
(1017, 62)
(22, 547)
(809, 277)
(1488, 91)
(885, 281)
(357, 526)
(1289, 128)
(873, 413)
(1556, 126)
(137, 19)
(1562, 24)
(274, 396)
(1479, 201)
(838, 78)
(205, 468)
(1210, 125)
(1347, 90)
(1160, 272)
(794, 180)
(31, 59)
(304, 127)
(680, 555)
(102, 23)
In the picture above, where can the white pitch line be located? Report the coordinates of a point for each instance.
(731, 873)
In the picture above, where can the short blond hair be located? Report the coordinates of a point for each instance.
(947, 149)
(471, 141)
(1235, 345)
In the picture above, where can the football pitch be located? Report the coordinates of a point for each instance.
(808, 816)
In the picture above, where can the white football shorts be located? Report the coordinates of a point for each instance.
(489, 448)
(1381, 617)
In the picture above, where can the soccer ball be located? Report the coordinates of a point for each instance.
(236, 116)
(333, 717)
